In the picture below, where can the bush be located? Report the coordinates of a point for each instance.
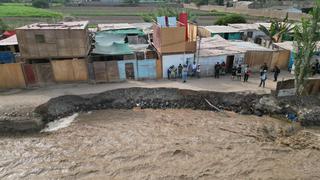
(230, 19)
(40, 3)
(200, 2)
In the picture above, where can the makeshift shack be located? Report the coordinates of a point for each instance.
(215, 50)
(54, 41)
(121, 52)
(175, 42)
(226, 32)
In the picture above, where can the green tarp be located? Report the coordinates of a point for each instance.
(113, 49)
(111, 42)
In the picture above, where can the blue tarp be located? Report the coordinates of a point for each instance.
(6, 57)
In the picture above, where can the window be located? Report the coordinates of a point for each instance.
(40, 38)
(250, 34)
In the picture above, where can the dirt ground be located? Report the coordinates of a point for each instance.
(164, 144)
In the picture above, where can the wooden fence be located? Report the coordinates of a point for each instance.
(70, 70)
(11, 76)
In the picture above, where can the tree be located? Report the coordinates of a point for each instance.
(167, 11)
(3, 26)
(277, 30)
(40, 3)
(200, 2)
(230, 19)
(306, 37)
(132, 2)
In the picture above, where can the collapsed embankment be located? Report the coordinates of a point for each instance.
(156, 98)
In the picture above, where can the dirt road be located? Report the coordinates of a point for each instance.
(163, 144)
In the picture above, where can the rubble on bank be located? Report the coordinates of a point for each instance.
(157, 98)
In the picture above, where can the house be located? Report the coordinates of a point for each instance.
(64, 40)
(227, 32)
(214, 50)
(291, 49)
(175, 43)
(54, 53)
(249, 32)
(123, 51)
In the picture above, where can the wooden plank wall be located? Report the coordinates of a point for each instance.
(106, 71)
(11, 76)
(281, 59)
(58, 43)
(255, 59)
(44, 73)
(70, 70)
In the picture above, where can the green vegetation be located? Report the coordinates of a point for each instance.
(22, 10)
(132, 2)
(230, 19)
(306, 36)
(40, 3)
(277, 30)
(167, 11)
(3, 26)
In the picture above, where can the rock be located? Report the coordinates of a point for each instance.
(258, 113)
(268, 105)
(310, 117)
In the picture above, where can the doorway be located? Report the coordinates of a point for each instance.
(129, 68)
(229, 64)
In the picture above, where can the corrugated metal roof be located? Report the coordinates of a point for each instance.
(245, 26)
(221, 29)
(60, 25)
(249, 46)
(217, 46)
(289, 45)
(12, 40)
(146, 27)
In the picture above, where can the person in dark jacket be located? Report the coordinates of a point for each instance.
(217, 70)
(276, 72)
(180, 71)
(169, 72)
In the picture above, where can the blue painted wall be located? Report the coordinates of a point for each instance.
(122, 69)
(147, 69)
(6, 57)
(291, 61)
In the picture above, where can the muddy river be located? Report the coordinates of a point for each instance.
(164, 144)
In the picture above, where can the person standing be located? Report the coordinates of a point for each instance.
(198, 71)
(169, 72)
(180, 71)
(264, 67)
(239, 72)
(263, 78)
(234, 72)
(184, 73)
(246, 74)
(194, 69)
(276, 72)
(217, 70)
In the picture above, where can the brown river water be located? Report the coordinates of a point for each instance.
(164, 144)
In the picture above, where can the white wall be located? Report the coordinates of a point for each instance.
(175, 59)
(207, 64)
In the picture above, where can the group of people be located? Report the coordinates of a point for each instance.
(219, 69)
(237, 72)
(182, 71)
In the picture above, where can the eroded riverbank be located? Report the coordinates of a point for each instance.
(165, 144)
